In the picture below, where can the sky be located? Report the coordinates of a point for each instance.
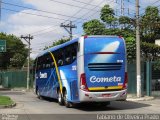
(42, 18)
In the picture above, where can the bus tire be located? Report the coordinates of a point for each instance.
(104, 104)
(60, 98)
(38, 94)
(66, 102)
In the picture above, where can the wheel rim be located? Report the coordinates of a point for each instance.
(38, 94)
(65, 98)
(59, 97)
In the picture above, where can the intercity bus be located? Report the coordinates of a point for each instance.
(86, 69)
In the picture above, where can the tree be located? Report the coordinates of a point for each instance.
(58, 42)
(150, 30)
(94, 27)
(16, 53)
(107, 15)
(150, 24)
(126, 22)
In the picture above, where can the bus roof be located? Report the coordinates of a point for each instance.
(72, 41)
(57, 47)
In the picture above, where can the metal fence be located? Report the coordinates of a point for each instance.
(155, 78)
(150, 76)
(14, 79)
(132, 80)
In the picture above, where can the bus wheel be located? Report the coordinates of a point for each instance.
(60, 98)
(67, 103)
(38, 95)
(104, 104)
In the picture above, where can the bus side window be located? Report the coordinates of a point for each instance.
(67, 55)
(52, 65)
(48, 61)
(74, 51)
(70, 53)
(59, 56)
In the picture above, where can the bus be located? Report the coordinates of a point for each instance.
(86, 69)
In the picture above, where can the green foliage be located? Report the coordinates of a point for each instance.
(17, 60)
(126, 22)
(150, 24)
(131, 49)
(156, 65)
(107, 15)
(149, 51)
(125, 26)
(58, 42)
(94, 27)
(16, 50)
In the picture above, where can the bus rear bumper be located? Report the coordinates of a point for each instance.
(102, 96)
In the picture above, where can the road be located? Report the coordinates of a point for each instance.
(29, 104)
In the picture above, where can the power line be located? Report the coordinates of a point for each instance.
(82, 16)
(33, 14)
(83, 2)
(94, 12)
(80, 9)
(69, 4)
(46, 32)
(39, 10)
(72, 15)
(0, 10)
(41, 31)
(75, 21)
(70, 26)
(152, 4)
(90, 11)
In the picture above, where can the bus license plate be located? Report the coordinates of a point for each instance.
(106, 95)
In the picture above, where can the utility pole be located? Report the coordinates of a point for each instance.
(122, 7)
(28, 40)
(0, 10)
(138, 61)
(70, 26)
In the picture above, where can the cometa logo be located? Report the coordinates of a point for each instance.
(43, 75)
(94, 79)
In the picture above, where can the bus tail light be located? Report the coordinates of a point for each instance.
(125, 84)
(85, 36)
(83, 84)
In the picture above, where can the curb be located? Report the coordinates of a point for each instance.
(8, 106)
(146, 98)
(5, 89)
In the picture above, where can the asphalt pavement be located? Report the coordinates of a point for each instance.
(30, 107)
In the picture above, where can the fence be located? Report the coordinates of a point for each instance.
(14, 79)
(149, 75)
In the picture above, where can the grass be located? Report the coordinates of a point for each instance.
(5, 100)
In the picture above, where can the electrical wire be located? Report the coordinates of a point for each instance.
(39, 10)
(69, 4)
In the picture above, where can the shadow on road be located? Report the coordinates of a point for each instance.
(115, 105)
(50, 99)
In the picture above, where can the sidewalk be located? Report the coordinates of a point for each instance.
(131, 97)
(3, 89)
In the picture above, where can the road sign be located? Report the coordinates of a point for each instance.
(2, 45)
